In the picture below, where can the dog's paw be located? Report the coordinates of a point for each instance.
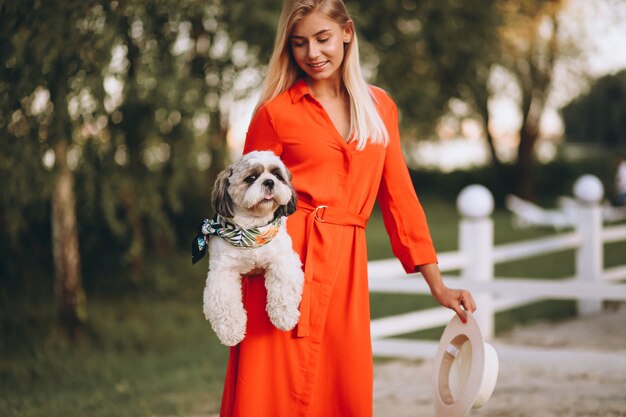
(230, 330)
(283, 317)
(231, 339)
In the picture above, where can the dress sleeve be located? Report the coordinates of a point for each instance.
(403, 215)
(262, 134)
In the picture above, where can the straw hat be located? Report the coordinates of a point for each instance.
(466, 369)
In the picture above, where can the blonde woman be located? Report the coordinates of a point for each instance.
(339, 137)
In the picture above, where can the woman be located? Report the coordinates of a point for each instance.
(339, 137)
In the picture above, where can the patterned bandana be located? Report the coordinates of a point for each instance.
(236, 236)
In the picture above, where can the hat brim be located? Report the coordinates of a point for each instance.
(477, 383)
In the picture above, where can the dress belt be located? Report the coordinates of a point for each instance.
(315, 215)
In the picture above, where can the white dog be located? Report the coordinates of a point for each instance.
(250, 198)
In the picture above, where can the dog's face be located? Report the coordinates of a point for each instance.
(254, 187)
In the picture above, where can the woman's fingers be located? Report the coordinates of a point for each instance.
(461, 301)
(460, 312)
(464, 302)
(467, 301)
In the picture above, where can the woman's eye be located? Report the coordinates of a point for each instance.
(298, 44)
(322, 40)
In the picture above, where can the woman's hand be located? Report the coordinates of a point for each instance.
(458, 300)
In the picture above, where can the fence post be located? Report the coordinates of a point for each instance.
(589, 192)
(475, 203)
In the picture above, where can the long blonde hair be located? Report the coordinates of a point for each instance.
(282, 71)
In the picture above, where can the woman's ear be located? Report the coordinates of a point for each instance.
(220, 199)
(348, 31)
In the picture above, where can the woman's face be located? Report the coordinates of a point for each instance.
(317, 44)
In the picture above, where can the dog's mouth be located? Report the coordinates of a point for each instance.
(266, 201)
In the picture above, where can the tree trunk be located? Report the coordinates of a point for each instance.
(534, 85)
(523, 166)
(71, 302)
(534, 80)
(481, 100)
(499, 181)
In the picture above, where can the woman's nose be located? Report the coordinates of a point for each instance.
(314, 51)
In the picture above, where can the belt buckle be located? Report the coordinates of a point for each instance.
(317, 217)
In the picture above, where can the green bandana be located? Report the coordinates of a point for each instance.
(241, 238)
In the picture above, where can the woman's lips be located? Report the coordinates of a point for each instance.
(318, 66)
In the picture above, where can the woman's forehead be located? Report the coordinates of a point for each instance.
(314, 24)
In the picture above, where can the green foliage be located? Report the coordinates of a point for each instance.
(427, 51)
(140, 91)
(42, 49)
(599, 116)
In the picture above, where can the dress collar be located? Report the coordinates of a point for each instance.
(298, 90)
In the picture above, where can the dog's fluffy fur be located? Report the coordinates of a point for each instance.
(250, 193)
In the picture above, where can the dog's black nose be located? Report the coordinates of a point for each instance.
(269, 184)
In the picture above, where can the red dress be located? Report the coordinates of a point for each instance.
(324, 368)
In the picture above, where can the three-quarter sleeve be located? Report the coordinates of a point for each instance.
(403, 215)
(262, 134)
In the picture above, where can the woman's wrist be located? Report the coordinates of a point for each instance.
(432, 276)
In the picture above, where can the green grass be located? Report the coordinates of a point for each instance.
(151, 353)
(147, 354)
(115, 383)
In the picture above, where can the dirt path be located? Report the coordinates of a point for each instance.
(573, 368)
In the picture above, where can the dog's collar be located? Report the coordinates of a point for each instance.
(248, 238)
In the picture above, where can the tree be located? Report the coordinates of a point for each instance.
(433, 51)
(46, 48)
(425, 53)
(529, 51)
(120, 106)
(599, 116)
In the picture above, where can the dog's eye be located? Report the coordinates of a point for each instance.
(250, 179)
(278, 175)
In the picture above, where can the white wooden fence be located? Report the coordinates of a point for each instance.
(476, 258)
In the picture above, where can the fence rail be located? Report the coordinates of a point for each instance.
(591, 286)
(520, 250)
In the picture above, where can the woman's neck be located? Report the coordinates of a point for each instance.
(330, 88)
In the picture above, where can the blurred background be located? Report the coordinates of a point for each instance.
(116, 116)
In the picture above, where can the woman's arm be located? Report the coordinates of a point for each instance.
(406, 223)
(457, 300)
(262, 135)
(402, 212)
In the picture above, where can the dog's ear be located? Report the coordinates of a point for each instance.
(289, 208)
(220, 199)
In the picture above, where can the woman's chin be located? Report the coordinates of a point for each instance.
(325, 75)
